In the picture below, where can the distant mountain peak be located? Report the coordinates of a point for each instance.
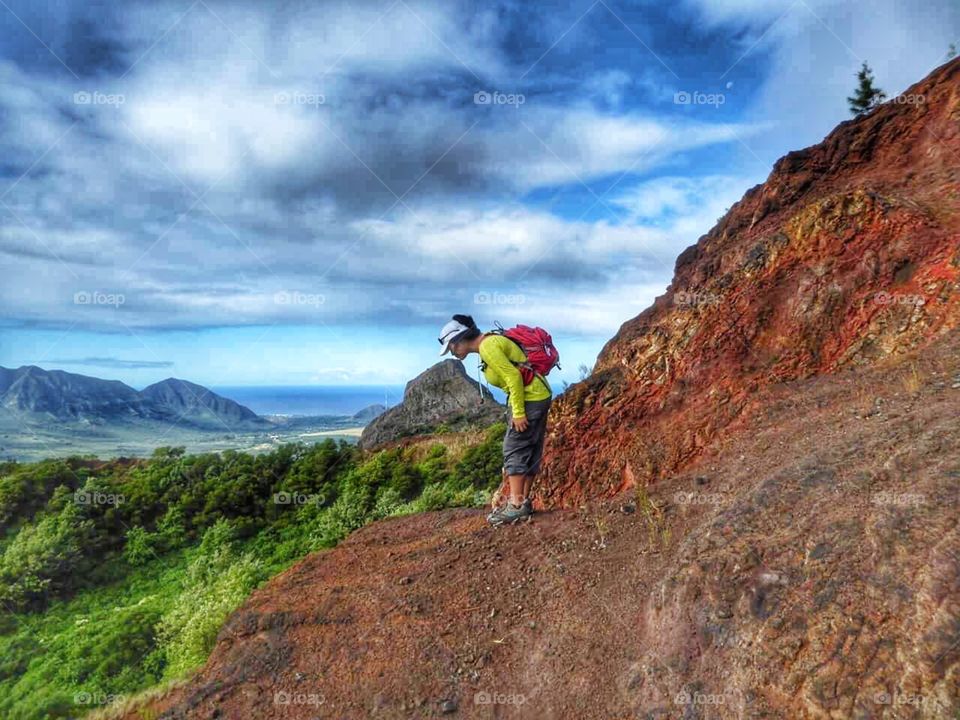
(58, 395)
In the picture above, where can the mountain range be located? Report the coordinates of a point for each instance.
(35, 395)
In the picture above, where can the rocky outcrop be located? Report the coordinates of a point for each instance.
(848, 253)
(444, 395)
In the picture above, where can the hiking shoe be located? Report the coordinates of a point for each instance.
(509, 514)
(527, 505)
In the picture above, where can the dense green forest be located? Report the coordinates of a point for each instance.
(116, 576)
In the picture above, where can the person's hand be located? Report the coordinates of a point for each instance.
(520, 424)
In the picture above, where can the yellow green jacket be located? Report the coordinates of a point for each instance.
(499, 354)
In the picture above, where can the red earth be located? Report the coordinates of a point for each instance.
(849, 252)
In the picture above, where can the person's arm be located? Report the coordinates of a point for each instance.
(495, 357)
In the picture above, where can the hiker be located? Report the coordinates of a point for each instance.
(527, 407)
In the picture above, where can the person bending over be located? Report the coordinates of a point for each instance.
(527, 408)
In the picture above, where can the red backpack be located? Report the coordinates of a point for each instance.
(537, 345)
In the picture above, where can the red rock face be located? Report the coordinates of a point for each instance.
(849, 253)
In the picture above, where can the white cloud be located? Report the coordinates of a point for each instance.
(685, 203)
(553, 146)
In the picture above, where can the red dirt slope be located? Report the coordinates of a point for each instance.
(809, 568)
(849, 252)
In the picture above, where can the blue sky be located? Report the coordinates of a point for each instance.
(237, 193)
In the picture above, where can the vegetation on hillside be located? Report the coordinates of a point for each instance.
(117, 576)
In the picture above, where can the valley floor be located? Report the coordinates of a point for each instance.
(30, 444)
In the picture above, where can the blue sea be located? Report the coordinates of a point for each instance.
(311, 399)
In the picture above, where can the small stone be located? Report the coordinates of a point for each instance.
(724, 612)
(406, 580)
(448, 706)
(628, 508)
(955, 385)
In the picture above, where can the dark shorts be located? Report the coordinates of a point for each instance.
(522, 451)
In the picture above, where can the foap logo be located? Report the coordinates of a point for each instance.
(695, 498)
(482, 97)
(299, 98)
(696, 97)
(498, 698)
(498, 298)
(295, 297)
(296, 498)
(885, 298)
(95, 497)
(685, 697)
(98, 98)
(898, 499)
(885, 698)
(695, 298)
(83, 297)
(488, 167)
(909, 99)
(97, 698)
(284, 697)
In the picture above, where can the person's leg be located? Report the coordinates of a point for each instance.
(503, 492)
(540, 429)
(516, 488)
(520, 459)
(515, 451)
(528, 483)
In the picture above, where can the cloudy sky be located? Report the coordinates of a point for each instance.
(239, 193)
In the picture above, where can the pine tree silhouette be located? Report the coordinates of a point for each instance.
(867, 96)
(952, 51)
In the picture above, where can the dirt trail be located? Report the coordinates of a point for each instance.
(809, 567)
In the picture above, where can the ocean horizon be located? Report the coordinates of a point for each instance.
(311, 399)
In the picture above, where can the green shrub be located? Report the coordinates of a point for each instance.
(482, 464)
(45, 558)
(140, 545)
(218, 579)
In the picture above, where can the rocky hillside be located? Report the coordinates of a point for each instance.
(441, 395)
(849, 252)
(807, 568)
